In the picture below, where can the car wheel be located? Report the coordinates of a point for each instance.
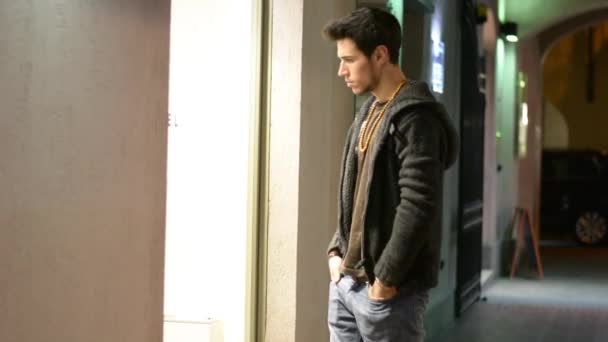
(591, 228)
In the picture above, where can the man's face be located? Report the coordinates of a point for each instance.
(358, 71)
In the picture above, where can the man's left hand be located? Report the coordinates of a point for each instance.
(381, 292)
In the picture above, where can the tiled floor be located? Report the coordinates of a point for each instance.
(570, 304)
(489, 322)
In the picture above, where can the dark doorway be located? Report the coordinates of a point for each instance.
(471, 165)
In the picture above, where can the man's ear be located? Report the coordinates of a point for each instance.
(381, 54)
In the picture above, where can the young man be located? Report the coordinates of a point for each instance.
(384, 256)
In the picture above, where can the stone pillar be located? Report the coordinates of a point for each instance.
(311, 110)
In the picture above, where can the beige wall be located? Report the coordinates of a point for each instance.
(489, 238)
(565, 84)
(83, 88)
(530, 164)
(327, 112)
(285, 115)
(505, 106)
(310, 112)
(555, 128)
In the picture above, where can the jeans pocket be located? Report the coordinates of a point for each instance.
(380, 302)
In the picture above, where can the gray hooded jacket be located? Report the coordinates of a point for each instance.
(402, 221)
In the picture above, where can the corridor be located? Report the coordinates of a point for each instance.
(570, 304)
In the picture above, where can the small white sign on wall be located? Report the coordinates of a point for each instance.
(438, 62)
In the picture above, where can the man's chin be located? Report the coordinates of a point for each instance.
(358, 92)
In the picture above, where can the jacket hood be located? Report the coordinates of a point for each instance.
(417, 94)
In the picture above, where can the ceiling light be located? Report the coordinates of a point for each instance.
(509, 31)
(512, 38)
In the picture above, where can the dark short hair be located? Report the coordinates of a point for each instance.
(369, 28)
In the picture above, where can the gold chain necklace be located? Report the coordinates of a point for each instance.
(367, 130)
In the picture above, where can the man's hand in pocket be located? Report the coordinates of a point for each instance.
(334, 267)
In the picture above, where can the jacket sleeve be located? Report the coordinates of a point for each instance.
(419, 180)
(334, 244)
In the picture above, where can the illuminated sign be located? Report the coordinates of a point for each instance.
(438, 62)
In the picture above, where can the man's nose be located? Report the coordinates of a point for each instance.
(342, 70)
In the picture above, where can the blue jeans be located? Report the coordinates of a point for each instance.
(353, 317)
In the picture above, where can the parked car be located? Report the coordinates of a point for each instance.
(574, 195)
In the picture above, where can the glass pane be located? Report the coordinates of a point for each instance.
(208, 163)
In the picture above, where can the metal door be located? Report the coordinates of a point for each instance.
(471, 166)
